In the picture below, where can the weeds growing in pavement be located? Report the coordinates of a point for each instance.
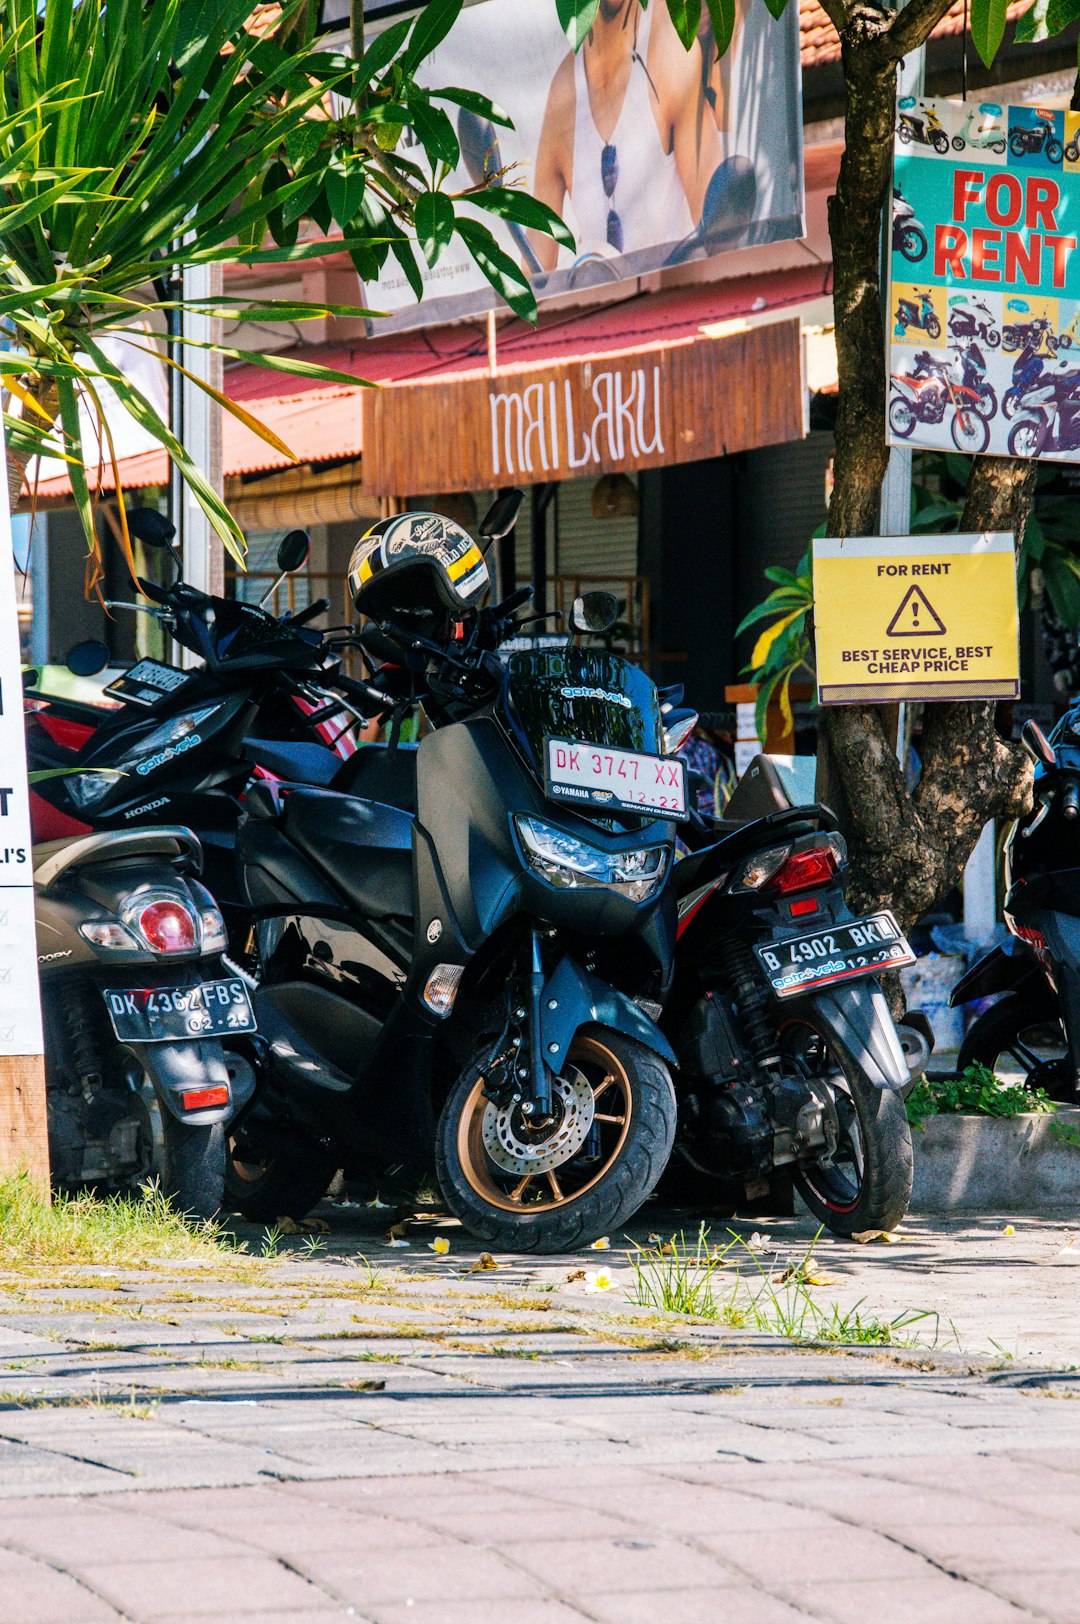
(705, 1281)
(977, 1091)
(121, 1232)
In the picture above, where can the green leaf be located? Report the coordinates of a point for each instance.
(1063, 589)
(576, 18)
(474, 103)
(380, 53)
(1032, 25)
(1060, 13)
(722, 17)
(401, 249)
(434, 131)
(430, 29)
(1034, 544)
(777, 7)
(504, 274)
(510, 204)
(345, 192)
(988, 27)
(686, 15)
(434, 222)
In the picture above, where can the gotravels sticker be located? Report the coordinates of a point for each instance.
(984, 286)
(916, 617)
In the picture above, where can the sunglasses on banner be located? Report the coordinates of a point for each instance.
(609, 177)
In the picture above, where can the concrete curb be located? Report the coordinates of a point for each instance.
(997, 1164)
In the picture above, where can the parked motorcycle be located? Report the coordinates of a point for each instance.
(1018, 335)
(1068, 336)
(924, 394)
(921, 315)
(1034, 1027)
(1048, 417)
(908, 234)
(924, 128)
(987, 137)
(974, 320)
(1036, 138)
(1027, 367)
(135, 1010)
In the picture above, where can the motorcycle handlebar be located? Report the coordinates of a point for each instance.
(318, 607)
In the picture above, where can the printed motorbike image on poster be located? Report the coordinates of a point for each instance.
(652, 154)
(984, 285)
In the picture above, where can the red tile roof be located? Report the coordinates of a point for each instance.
(820, 42)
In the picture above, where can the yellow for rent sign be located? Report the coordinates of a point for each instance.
(916, 617)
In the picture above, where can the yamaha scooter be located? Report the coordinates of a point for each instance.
(921, 315)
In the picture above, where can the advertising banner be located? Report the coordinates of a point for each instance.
(916, 617)
(984, 287)
(653, 155)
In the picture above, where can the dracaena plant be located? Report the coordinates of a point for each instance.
(140, 137)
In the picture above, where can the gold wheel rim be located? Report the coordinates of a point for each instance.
(247, 1172)
(612, 1108)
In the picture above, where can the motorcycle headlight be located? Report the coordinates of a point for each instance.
(87, 789)
(574, 864)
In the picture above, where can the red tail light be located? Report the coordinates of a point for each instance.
(803, 869)
(168, 927)
(201, 1099)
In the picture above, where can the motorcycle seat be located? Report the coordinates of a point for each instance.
(380, 774)
(365, 849)
(295, 761)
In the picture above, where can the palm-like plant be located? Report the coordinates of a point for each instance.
(139, 137)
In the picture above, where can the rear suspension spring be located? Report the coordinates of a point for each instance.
(79, 1013)
(754, 1003)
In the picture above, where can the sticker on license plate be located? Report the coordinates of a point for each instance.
(839, 953)
(623, 780)
(177, 1014)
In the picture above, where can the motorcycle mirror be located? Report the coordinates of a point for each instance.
(293, 552)
(594, 612)
(86, 659)
(501, 516)
(150, 527)
(1036, 744)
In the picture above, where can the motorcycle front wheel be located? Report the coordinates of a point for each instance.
(1022, 1033)
(556, 1186)
(902, 419)
(992, 337)
(958, 143)
(1054, 151)
(940, 141)
(933, 327)
(1024, 438)
(1064, 342)
(912, 244)
(864, 1182)
(970, 431)
(986, 404)
(264, 1188)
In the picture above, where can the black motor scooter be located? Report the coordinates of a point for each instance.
(464, 943)
(139, 1086)
(1034, 1026)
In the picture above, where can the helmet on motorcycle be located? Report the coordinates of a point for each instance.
(416, 563)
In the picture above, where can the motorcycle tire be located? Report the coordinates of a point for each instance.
(1010, 402)
(912, 244)
(1052, 343)
(1064, 342)
(1017, 145)
(958, 143)
(902, 418)
(933, 327)
(997, 146)
(1024, 438)
(549, 1210)
(992, 338)
(970, 431)
(1072, 151)
(1010, 340)
(940, 141)
(998, 1031)
(876, 1193)
(193, 1174)
(281, 1186)
(987, 403)
(905, 135)
(1054, 152)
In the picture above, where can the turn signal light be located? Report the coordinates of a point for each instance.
(201, 1099)
(441, 988)
(168, 927)
(805, 868)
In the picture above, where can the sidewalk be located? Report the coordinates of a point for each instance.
(428, 1445)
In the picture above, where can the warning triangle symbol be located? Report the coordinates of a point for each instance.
(916, 617)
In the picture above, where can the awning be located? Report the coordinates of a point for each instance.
(323, 424)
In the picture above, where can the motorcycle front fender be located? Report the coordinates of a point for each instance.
(856, 1021)
(176, 1069)
(574, 997)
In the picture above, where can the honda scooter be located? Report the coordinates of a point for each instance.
(1034, 1027)
(136, 1014)
(921, 315)
(924, 128)
(1048, 417)
(908, 234)
(1027, 368)
(974, 320)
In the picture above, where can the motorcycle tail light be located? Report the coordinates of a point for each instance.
(212, 930)
(107, 933)
(202, 1099)
(167, 926)
(806, 868)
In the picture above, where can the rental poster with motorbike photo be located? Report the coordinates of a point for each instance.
(653, 155)
(984, 290)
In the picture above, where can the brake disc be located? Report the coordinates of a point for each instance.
(509, 1150)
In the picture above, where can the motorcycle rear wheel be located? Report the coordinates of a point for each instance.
(1001, 1031)
(986, 404)
(594, 1188)
(992, 337)
(867, 1182)
(958, 143)
(902, 417)
(912, 244)
(1024, 438)
(272, 1187)
(1017, 145)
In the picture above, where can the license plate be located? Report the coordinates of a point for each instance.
(146, 681)
(623, 780)
(175, 1014)
(839, 953)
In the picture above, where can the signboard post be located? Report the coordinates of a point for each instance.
(24, 1143)
(916, 617)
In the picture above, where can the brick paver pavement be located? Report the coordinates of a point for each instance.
(444, 1448)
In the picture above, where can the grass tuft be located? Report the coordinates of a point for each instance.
(121, 1232)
